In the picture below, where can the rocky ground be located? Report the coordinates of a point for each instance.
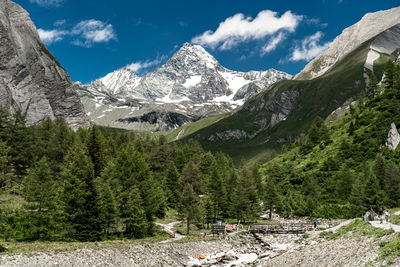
(239, 249)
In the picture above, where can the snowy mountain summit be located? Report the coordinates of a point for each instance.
(191, 83)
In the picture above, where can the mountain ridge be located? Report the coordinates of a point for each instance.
(191, 83)
(370, 25)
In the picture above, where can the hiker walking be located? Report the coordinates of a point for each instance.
(315, 224)
(381, 215)
(387, 216)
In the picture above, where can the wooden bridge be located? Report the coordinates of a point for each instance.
(288, 228)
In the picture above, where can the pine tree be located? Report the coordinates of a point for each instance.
(130, 171)
(345, 180)
(95, 150)
(372, 190)
(217, 192)
(134, 214)
(189, 206)
(393, 188)
(246, 202)
(4, 169)
(389, 74)
(20, 144)
(271, 196)
(173, 186)
(372, 86)
(41, 193)
(108, 206)
(81, 197)
(191, 174)
(357, 197)
(380, 172)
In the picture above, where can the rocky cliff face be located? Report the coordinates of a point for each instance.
(191, 83)
(31, 79)
(351, 38)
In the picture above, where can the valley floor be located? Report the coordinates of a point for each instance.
(351, 243)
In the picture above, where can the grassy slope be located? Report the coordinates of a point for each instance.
(195, 126)
(317, 97)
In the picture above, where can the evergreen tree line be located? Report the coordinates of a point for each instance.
(101, 183)
(345, 169)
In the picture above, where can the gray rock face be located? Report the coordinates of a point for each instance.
(393, 137)
(31, 79)
(191, 83)
(351, 38)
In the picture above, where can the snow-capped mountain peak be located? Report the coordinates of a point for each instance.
(192, 82)
(121, 81)
(190, 54)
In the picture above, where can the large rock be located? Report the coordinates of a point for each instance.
(31, 79)
(393, 137)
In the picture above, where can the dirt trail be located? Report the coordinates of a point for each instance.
(169, 229)
(332, 229)
(385, 225)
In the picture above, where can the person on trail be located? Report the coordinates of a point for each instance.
(315, 224)
(381, 215)
(387, 216)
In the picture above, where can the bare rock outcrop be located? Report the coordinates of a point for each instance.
(31, 79)
(393, 137)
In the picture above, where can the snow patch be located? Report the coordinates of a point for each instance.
(234, 81)
(192, 81)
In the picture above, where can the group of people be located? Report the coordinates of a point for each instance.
(381, 214)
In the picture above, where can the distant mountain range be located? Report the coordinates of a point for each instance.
(191, 85)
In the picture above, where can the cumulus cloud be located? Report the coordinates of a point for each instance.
(239, 28)
(310, 48)
(140, 66)
(47, 3)
(52, 36)
(93, 31)
(84, 33)
(273, 43)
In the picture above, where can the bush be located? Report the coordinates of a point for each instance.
(2, 248)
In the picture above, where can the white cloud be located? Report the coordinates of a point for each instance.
(47, 3)
(238, 28)
(85, 33)
(60, 22)
(141, 66)
(310, 48)
(273, 43)
(93, 31)
(49, 37)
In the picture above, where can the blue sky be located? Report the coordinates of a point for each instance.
(91, 38)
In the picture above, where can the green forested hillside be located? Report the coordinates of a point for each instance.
(317, 97)
(96, 184)
(341, 167)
